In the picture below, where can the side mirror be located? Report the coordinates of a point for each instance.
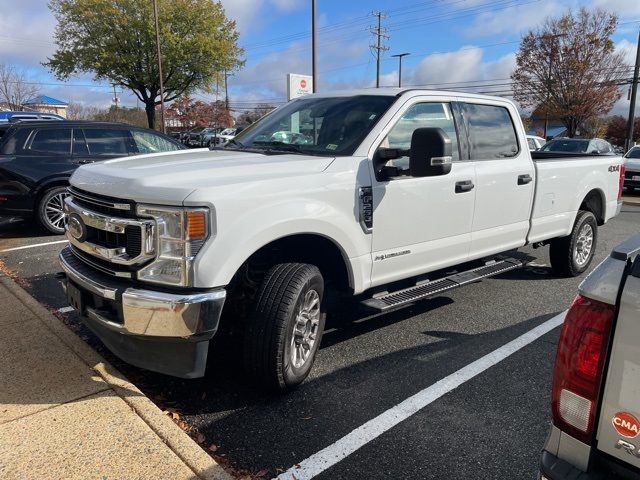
(430, 153)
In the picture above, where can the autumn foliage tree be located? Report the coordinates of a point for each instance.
(617, 130)
(196, 113)
(568, 68)
(250, 116)
(115, 41)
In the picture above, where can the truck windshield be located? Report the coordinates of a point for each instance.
(316, 126)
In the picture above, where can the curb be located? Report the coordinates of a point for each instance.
(178, 441)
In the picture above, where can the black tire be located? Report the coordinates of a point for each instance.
(47, 218)
(269, 336)
(568, 254)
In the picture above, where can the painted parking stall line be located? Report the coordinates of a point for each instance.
(35, 245)
(331, 455)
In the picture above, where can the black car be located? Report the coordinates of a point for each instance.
(38, 157)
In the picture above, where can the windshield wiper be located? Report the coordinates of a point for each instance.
(279, 146)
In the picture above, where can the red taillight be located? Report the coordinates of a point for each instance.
(621, 181)
(579, 366)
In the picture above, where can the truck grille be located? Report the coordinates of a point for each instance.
(104, 234)
(103, 204)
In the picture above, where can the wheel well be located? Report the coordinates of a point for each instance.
(304, 248)
(594, 203)
(44, 187)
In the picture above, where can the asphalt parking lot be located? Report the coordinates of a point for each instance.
(491, 426)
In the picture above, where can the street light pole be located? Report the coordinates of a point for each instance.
(400, 55)
(155, 16)
(314, 71)
(634, 91)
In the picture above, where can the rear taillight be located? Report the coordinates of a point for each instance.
(579, 366)
(621, 181)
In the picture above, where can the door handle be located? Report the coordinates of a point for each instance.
(524, 179)
(464, 186)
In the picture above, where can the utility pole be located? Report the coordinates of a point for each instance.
(314, 43)
(226, 90)
(115, 96)
(380, 34)
(551, 54)
(155, 16)
(634, 92)
(399, 57)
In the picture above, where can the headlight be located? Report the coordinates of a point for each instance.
(180, 234)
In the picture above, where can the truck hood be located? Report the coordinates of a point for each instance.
(168, 178)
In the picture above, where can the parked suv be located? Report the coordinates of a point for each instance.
(37, 158)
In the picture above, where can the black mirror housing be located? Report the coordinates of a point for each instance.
(430, 153)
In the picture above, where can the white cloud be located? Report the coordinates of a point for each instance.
(624, 8)
(26, 33)
(515, 19)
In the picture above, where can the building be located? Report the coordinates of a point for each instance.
(44, 103)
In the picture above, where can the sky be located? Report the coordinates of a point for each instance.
(450, 42)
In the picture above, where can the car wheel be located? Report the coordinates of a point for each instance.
(285, 329)
(50, 212)
(572, 255)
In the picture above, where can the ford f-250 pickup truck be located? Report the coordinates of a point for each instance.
(369, 193)
(596, 382)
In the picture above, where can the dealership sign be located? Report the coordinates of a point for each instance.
(298, 85)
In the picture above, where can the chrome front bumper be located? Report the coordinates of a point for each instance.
(144, 326)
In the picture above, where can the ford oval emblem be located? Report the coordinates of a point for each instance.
(76, 227)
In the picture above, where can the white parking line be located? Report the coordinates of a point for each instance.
(32, 246)
(326, 458)
(66, 309)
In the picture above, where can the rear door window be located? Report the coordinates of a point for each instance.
(108, 142)
(51, 141)
(492, 134)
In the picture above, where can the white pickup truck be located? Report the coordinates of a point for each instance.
(370, 193)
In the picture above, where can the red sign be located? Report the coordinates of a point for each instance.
(303, 83)
(626, 424)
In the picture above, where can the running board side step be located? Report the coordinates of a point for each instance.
(392, 300)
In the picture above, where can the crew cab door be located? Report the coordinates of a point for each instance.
(420, 224)
(619, 424)
(505, 177)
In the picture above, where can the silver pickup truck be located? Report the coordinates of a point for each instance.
(596, 380)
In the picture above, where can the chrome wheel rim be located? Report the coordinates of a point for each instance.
(54, 211)
(584, 245)
(305, 329)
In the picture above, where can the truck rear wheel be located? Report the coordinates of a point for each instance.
(285, 328)
(572, 255)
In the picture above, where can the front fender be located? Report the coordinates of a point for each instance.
(239, 236)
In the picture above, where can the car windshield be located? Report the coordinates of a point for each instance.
(574, 146)
(316, 126)
(633, 153)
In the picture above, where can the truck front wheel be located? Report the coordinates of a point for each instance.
(285, 328)
(572, 255)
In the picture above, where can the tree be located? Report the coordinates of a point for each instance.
(569, 69)
(189, 113)
(81, 111)
(115, 41)
(617, 130)
(15, 88)
(250, 116)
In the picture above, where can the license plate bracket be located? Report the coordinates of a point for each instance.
(74, 297)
